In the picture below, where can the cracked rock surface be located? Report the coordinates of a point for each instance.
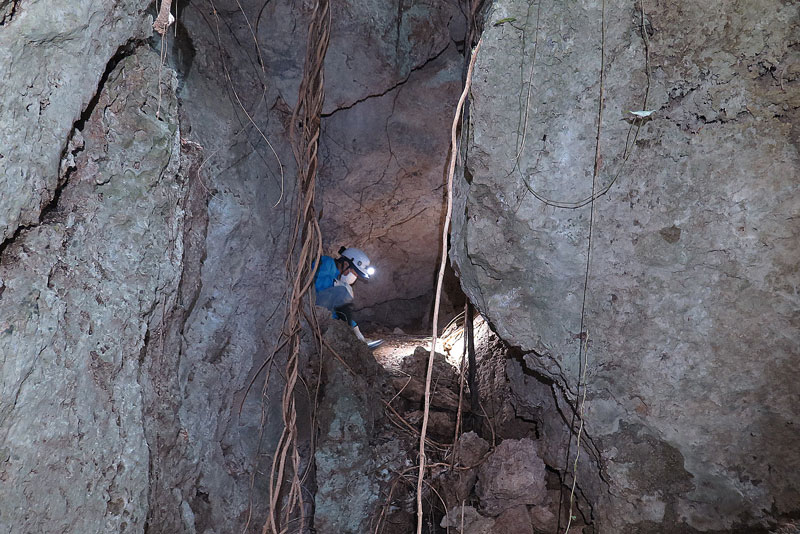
(78, 291)
(52, 57)
(692, 302)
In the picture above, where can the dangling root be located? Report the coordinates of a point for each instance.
(164, 18)
(306, 237)
(445, 231)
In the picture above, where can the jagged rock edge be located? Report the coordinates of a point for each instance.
(49, 205)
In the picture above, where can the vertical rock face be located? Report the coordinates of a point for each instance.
(691, 309)
(51, 60)
(355, 454)
(124, 351)
(78, 291)
(229, 310)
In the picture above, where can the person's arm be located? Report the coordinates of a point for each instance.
(326, 273)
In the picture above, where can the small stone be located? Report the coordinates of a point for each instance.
(514, 474)
(515, 520)
(470, 448)
(543, 519)
(472, 521)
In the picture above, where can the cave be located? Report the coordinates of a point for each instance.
(583, 219)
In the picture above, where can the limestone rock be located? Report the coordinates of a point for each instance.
(442, 425)
(444, 374)
(42, 45)
(414, 390)
(185, 361)
(690, 312)
(513, 475)
(78, 292)
(543, 518)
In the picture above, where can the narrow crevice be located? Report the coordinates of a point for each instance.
(580, 498)
(7, 11)
(143, 350)
(122, 52)
(72, 146)
(50, 210)
(74, 143)
(395, 300)
(430, 59)
(11, 239)
(558, 393)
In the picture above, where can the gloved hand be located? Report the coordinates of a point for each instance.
(360, 336)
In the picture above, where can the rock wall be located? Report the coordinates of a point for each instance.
(78, 291)
(135, 305)
(51, 63)
(228, 314)
(142, 258)
(691, 303)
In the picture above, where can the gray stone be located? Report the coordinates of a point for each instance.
(52, 57)
(207, 424)
(513, 475)
(470, 449)
(515, 520)
(691, 312)
(79, 290)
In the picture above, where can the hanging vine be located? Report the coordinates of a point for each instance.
(305, 249)
(445, 231)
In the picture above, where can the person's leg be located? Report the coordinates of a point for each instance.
(345, 313)
(340, 302)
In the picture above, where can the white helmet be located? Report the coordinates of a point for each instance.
(358, 260)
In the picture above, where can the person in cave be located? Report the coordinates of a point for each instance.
(333, 285)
